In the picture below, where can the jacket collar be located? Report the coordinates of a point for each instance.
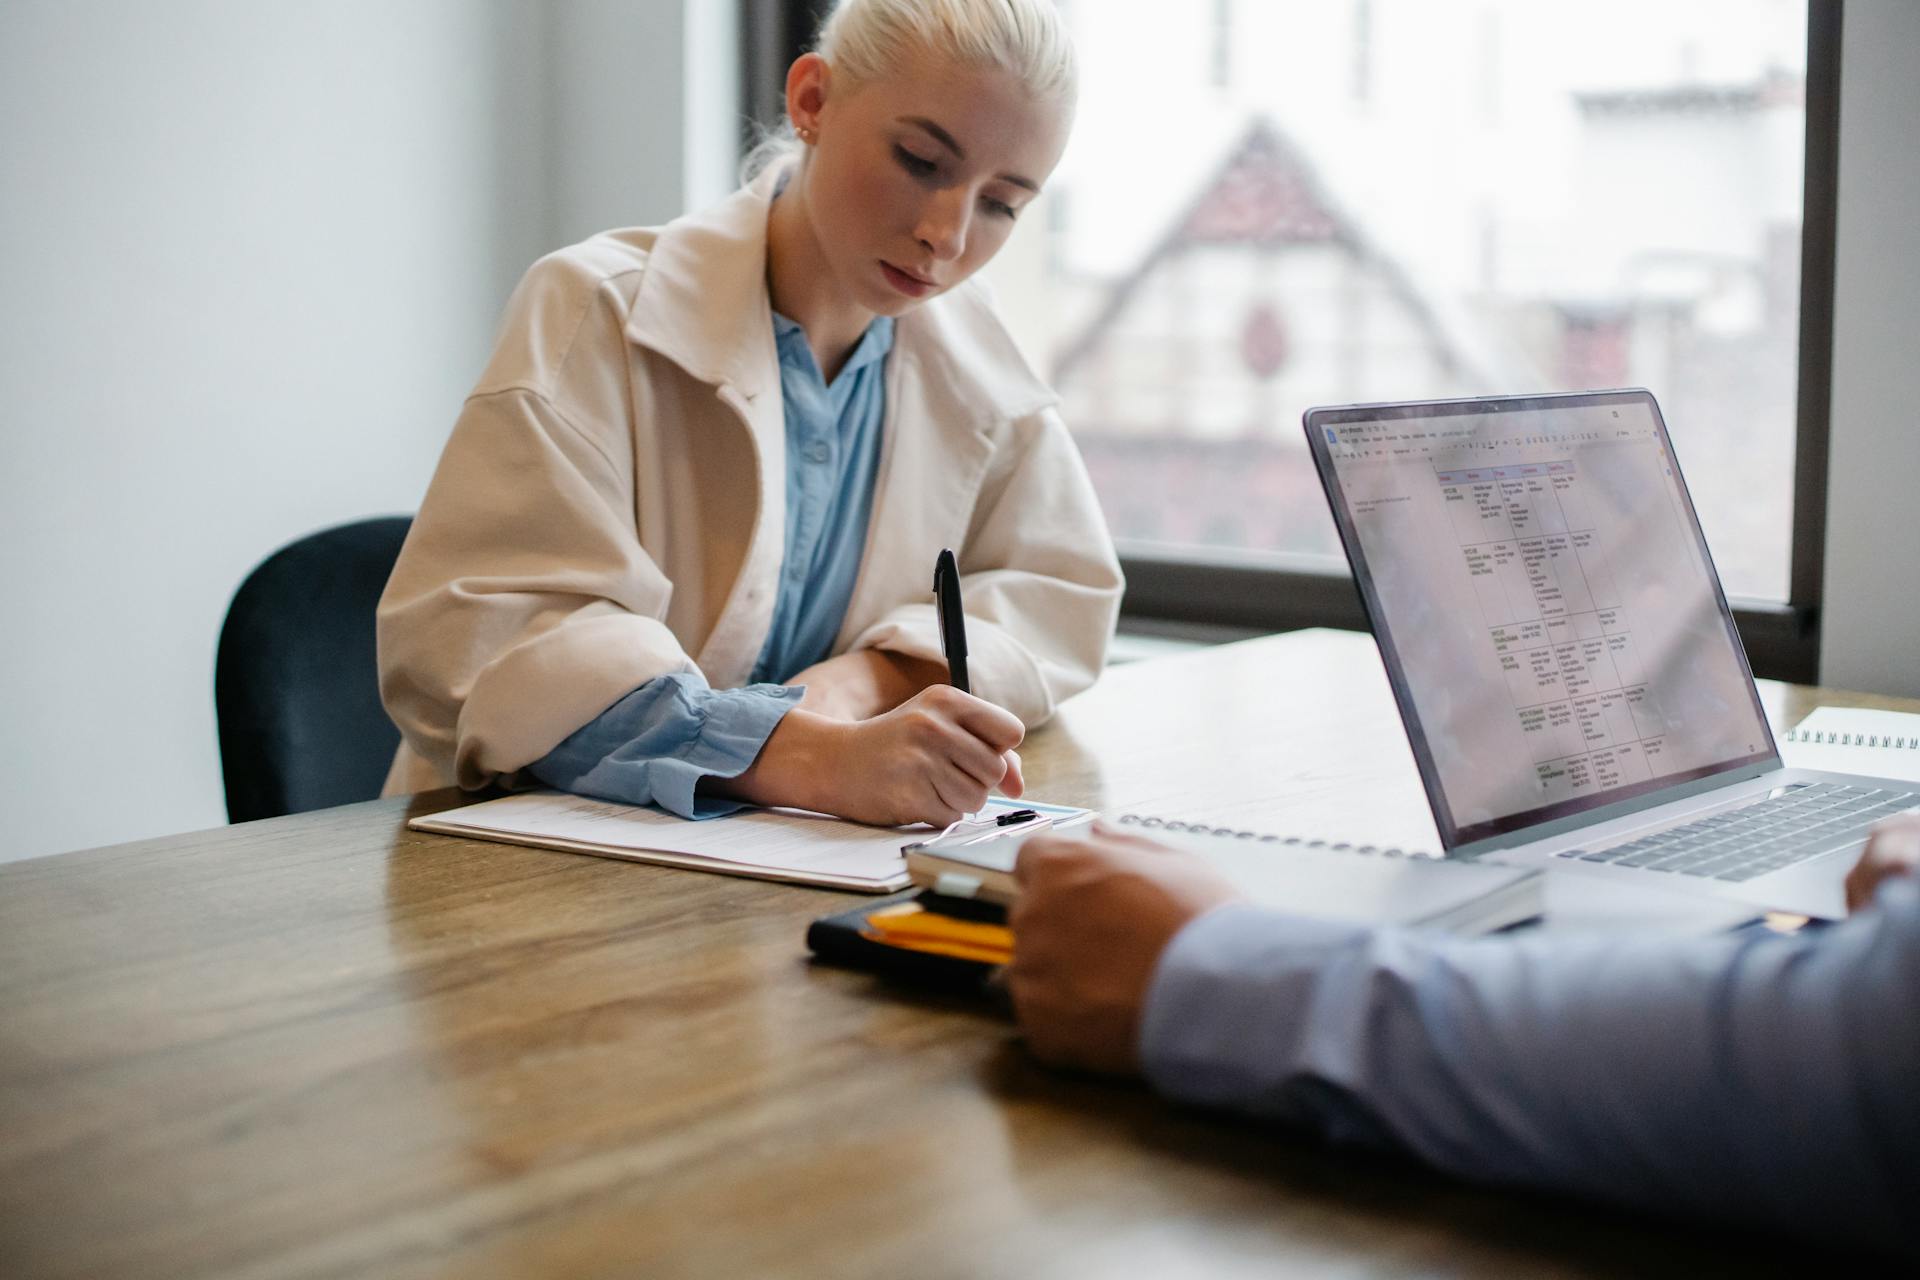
(703, 304)
(703, 299)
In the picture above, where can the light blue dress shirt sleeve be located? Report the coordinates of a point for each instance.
(654, 745)
(1749, 1076)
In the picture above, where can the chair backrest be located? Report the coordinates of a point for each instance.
(296, 686)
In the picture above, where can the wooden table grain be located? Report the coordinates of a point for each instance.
(323, 1046)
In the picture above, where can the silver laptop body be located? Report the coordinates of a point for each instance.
(1563, 656)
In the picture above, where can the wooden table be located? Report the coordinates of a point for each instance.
(324, 1046)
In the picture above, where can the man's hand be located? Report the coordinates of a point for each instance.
(1091, 921)
(933, 759)
(1892, 850)
(865, 683)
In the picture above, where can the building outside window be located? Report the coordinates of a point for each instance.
(1271, 204)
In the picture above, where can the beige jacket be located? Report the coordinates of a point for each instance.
(610, 506)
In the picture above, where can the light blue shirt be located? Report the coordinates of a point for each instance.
(833, 459)
(655, 744)
(1750, 1076)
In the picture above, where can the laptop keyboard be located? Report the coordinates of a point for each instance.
(1792, 825)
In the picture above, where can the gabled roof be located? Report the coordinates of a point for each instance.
(1267, 195)
(1264, 194)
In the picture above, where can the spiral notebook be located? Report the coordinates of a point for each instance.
(1879, 744)
(1329, 880)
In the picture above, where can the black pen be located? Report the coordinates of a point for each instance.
(953, 622)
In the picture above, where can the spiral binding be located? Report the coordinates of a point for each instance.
(1834, 738)
(1262, 837)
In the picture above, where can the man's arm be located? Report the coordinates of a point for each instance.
(1750, 1077)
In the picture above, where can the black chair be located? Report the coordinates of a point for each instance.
(295, 685)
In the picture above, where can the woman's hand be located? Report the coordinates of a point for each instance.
(1892, 850)
(933, 759)
(865, 683)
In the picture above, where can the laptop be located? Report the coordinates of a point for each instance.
(1563, 655)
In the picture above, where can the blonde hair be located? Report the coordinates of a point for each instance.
(868, 40)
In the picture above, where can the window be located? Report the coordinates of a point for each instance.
(1270, 204)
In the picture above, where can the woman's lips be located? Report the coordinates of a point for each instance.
(912, 286)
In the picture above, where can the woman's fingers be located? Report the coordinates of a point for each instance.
(981, 763)
(959, 793)
(999, 728)
(1013, 782)
(940, 755)
(953, 722)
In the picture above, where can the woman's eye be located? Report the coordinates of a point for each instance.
(999, 208)
(913, 164)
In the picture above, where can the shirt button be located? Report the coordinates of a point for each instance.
(818, 451)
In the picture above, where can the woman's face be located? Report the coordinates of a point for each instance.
(915, 182)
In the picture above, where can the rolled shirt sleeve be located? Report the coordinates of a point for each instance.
(1750, 1077)
(657, 743)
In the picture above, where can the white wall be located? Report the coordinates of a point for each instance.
(251, 259)
(1870, 630)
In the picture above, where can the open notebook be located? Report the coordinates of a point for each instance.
(766, 844)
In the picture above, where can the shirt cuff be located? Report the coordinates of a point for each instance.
(1230, 1007)
(655, 745)
(737, 725)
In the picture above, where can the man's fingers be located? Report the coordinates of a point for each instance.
(1859, 885)
(1036, 851)
(1112, 833)
(1893, 849)
(1105, 846)
(1897, 837)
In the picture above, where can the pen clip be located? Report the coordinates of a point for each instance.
(940, 596)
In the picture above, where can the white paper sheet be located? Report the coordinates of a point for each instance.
(777, 844)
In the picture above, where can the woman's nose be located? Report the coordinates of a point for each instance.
(943, 223)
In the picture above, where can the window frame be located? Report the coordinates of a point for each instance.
(772, 34)
(1208, 593)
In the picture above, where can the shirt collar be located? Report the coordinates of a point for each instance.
(872, 347)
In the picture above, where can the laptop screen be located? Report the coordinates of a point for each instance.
(1543, 599)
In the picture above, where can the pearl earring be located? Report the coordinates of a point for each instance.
(806, 135)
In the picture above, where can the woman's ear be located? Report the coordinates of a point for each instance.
(807, 84)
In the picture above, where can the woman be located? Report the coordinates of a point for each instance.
(679, 546)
